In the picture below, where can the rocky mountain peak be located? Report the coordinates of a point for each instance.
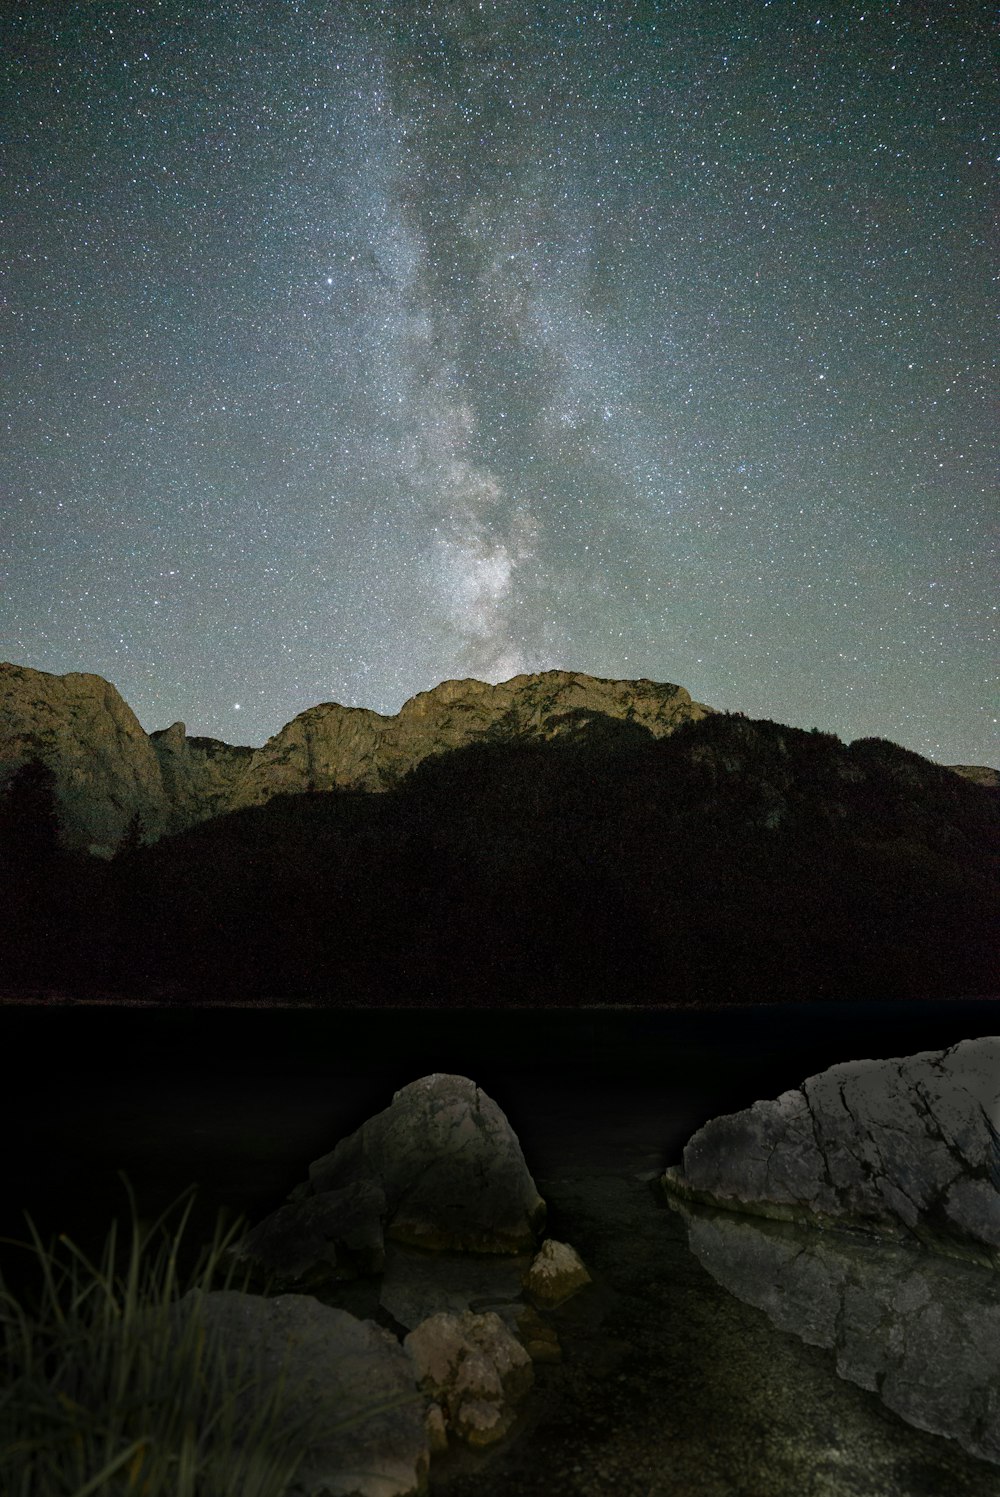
(330, 746)
(110, 772)
(112, 778)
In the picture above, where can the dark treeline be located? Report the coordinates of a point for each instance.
(733, 861)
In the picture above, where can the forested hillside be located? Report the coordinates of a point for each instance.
(733, 861)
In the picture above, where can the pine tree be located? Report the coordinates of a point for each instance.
(29, 817)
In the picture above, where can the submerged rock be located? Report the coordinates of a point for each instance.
(920, 1330)
(416, 1285)
(904, 1148)
(306, 1243)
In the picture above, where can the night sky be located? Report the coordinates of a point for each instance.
(352, 347)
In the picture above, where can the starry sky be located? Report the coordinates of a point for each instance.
(349, 347)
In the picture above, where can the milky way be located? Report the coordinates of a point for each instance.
(349, 348)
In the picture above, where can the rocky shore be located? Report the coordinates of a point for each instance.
(497, 1362)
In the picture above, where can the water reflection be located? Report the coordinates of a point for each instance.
(920, 1330)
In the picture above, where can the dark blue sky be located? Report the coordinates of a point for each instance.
(350, 347)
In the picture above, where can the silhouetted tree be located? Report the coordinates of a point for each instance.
(29, 816)
(30, 866)
(133, 837)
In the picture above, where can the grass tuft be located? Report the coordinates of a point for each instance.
(110, 1385)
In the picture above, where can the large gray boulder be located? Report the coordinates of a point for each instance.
(905, 1148)
(449, 1166)
(349, 1380)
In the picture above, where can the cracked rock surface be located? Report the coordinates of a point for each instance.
(903, 1148)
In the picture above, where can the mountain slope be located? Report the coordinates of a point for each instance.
(730, 861)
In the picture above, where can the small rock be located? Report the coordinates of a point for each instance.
(556, 1273)
(538, 1338)
(475, 1369)
(437, 1432)
(504, 1352)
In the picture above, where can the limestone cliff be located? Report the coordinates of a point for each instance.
(330, 746)
(106, 770)
(200, 775)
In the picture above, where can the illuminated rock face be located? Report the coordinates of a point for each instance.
(331, 746)
(109, 771)
(905, 1148)
(200, 775)
(106, 769)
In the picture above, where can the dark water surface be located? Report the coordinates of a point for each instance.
(240, 1100)
(669, 1385)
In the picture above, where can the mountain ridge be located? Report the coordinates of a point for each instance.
(558, 855)
(113, 779)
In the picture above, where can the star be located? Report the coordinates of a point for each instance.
(493, 339)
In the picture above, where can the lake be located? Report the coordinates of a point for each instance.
(240, 1101)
